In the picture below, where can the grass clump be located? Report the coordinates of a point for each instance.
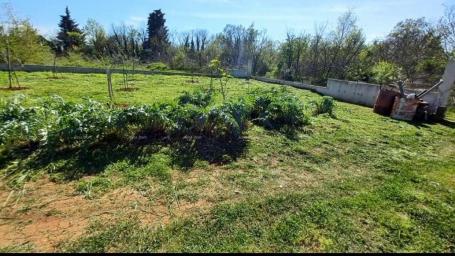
(92, 188)
(325, 106)
(201, 98)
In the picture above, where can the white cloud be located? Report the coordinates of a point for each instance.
(47, 30)
(135, 20)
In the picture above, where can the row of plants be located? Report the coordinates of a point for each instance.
(54, 124)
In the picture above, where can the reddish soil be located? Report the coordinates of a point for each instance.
(122, 105)
(45, 214)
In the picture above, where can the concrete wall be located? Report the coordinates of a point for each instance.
(352, 92)
(239, 73)
(318, 89)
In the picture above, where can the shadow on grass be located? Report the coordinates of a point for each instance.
(426, 124)
(186, 153)
(75, 163)
(448, 123)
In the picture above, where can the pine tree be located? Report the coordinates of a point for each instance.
(70, 35)
(157, 41)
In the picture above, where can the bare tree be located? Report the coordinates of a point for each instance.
(412, 42)
(447, 30)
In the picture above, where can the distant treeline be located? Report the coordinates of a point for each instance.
(415, 50)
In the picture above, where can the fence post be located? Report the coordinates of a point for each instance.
(10, 69)
(109, 84)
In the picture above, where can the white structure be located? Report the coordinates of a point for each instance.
(447, 86)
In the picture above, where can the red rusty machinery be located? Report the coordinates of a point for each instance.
(398, 105)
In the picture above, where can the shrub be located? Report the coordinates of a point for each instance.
(54, 124)
(385, 72)
(158, 66)
(325, 106)
(276, 109)
(150, 119)
(80, 125)
(21, 125)
(187, 120)
(227, 122)
(201, 98)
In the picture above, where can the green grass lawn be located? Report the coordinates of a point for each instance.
(76, 87)
(356, 182)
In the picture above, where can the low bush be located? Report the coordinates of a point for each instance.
(325, 106)
(276, 109)
(55, 124)
(187, 121)
(79, 125)
(149, 118)
(227, 122)
(201, 98)
(158, 66)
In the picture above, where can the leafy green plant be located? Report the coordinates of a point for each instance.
(150, 118)
(276, 109)
(54, 125)
(385, 72)
(158, 66)
(227, 121)
(325, 106)
(80, 125)
(200, 98)
(217, 70)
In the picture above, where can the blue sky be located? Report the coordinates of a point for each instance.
(376, 17)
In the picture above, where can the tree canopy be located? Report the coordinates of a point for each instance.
(70, 35)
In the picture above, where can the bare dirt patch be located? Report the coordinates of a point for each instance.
(45, 214)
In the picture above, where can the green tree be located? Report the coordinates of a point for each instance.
(96, 37)
(446, 29)
(385, 73)
(412, 42)
(20, 43)
(70, 35)
(157, 41)
(224, 77)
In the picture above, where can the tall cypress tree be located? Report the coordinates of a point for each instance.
(157, 41)
(70, 35)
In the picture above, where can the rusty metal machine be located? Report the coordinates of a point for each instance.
(414, 105)
(402, 106)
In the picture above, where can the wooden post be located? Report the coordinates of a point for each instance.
(54, 69)
(10, 69)
(109, 84)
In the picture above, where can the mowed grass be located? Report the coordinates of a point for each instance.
(356, 182)
(76, 87)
